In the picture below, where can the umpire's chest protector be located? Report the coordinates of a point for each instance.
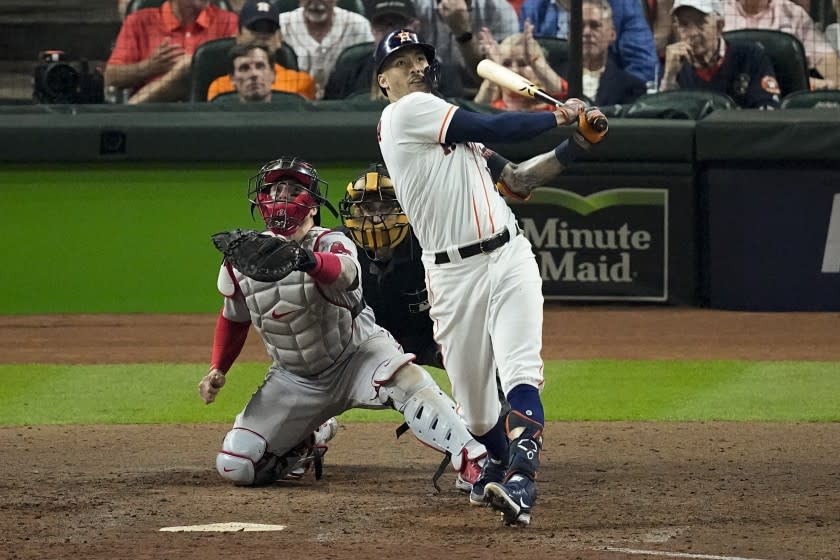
(306, 328)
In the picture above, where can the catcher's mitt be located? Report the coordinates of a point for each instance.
(263, 257)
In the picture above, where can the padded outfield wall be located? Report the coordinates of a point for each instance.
(122, 202)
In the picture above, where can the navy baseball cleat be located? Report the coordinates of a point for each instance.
(514, 499)
(492, 471)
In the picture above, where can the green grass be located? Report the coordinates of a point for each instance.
(575, 390)
(109, 238)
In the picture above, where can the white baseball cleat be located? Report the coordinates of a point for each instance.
(326, 431)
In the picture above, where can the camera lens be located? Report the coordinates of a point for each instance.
(61, 79)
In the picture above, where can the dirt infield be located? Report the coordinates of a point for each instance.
(608, 490)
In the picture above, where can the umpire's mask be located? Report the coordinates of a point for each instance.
(371, 212)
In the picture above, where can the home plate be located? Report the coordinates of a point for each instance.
(230, 527)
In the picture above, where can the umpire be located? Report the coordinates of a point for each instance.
(393, 278)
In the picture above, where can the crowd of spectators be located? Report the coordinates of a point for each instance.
(629, 47)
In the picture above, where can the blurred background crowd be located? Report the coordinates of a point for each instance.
(753, 53)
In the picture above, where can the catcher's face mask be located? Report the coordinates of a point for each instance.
(285, 191)
(371, 212)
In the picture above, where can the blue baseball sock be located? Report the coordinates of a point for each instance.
(495, 441)
(526, 400)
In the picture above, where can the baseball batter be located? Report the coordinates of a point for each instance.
(484, 287)
(328, 355)
(394, 279)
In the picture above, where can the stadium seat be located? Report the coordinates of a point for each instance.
(210, 61)
(352, 5)
(818, 99)
(785, 51)
(685, 104)
(556, 50)
(287, 57)
(353, 54)
(134, 5)
(285, 5)
(613, 111)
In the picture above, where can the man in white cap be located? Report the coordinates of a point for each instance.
(702, 59)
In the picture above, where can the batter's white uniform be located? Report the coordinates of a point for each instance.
(487, 308)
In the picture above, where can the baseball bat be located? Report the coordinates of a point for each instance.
(510, 80)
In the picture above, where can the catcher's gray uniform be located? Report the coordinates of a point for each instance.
(328, 355)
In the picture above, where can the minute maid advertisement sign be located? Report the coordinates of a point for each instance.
(610, 245)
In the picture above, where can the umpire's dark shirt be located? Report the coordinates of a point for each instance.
(745, 74)
(396, 291)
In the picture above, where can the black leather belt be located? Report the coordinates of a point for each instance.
(484, 246)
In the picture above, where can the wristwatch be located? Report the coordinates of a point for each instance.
(464, 37)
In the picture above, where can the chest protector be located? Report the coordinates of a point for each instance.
(306, 327)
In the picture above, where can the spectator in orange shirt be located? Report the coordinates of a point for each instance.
(252, 73)
(154, 48)
(259, 24)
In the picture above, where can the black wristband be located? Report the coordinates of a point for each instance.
(569, 151)
(495, 163)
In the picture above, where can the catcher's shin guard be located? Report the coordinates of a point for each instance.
(246, 461)
(430, 415)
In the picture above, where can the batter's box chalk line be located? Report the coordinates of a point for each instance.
(228, 527)
(667, 554)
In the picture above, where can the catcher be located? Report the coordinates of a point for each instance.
(299, 285)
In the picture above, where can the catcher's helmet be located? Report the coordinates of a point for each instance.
(400, 39)
(285, 190)
(372, 213)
